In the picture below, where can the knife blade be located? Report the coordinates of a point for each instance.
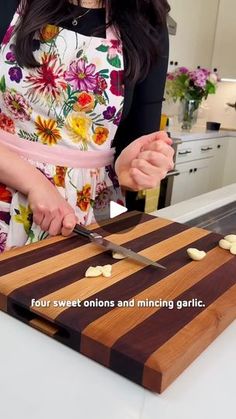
(109, 246)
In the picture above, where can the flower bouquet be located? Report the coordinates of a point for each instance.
(191, 88)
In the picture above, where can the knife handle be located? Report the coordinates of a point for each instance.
(82, 231)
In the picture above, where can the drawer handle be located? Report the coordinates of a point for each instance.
(173, 173)
(182, 153)
(206, 148)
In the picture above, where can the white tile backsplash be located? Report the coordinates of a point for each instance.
(213, 109)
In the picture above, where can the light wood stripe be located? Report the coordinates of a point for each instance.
(113, 325)
(51, 240)
(200, 332)
(44, 326)
(28, 248)
(15, 280)
(87, 287)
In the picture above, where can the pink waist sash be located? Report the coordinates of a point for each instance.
(57, 155)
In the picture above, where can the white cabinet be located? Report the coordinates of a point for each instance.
(193, 44)
(229, 175)
(203, 166)
(205, 35)
(193, 180)
(221, 148)
(196, 149)
(224, 57)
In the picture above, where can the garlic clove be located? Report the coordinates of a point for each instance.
(196, 254)
(231, 238)
(233, 249)
(107, 270)
(225, 244)
(118, 256)
(93, 272)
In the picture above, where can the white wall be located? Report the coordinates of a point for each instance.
(214, 109)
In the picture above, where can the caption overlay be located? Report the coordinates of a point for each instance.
(146, 303)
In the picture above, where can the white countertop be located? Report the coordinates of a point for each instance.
(41, 378)
(202, 204)
(198, 133)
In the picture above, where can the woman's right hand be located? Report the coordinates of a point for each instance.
(51, 211)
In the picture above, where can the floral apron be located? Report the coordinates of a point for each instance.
(73, 101)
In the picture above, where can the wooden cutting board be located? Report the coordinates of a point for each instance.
(150, 345)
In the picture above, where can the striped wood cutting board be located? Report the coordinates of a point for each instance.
(148, 345)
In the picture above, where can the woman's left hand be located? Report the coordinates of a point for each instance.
(145, 162)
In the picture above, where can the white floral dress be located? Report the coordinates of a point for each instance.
(74, 99)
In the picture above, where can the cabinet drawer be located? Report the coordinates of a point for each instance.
(193, 180)
(198, 149)
(185, 152)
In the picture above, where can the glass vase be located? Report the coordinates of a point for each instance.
(188, 113)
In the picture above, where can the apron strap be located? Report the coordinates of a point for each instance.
(57, 155)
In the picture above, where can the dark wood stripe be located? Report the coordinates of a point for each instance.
(60, 279)
(23, 260)
(130, 352)
(24, 314)
(79, 318)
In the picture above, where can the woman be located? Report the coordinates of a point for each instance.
(71, 89)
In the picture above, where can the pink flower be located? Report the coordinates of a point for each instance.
(206, 71)
(80, 76)
(213, 78)
(116, 44)
(183, 70)
(199, 78)
(47, 81)
(8, 35)
(114, 48)
(17, 105)
(112, 53)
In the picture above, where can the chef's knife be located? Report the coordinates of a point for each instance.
(107, 245)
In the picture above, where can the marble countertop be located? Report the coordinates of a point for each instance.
(199, 205)
(199, 133)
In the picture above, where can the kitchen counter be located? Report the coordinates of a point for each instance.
(199, 133)
(202, 204)
(42, 378)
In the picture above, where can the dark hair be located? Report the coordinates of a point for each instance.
(140, 24)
